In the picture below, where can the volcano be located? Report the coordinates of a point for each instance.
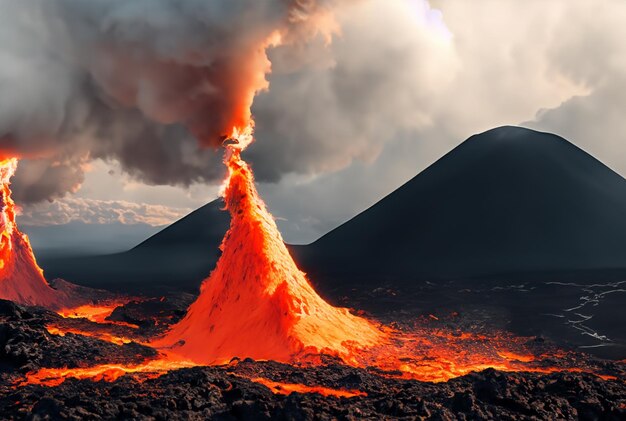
(510, 202)
(178, 256)
(257, 304)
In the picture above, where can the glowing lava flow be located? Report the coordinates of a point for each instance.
(96, 313)
(289, 388)
(103, 336)
(257, 303)
(21, 279)
(103, 372)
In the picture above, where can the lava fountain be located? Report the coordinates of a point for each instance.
(21, 279)
(257, 303)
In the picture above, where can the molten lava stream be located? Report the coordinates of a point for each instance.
(289, 388)
(96, 313)
(103, 336)
(104, 372)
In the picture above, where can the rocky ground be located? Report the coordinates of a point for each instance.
(220, 393)
(227, 392)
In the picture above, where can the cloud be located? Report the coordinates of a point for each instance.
(595, 56)
(331, 104)
(142, 82)
(90, 211)
(342, 124)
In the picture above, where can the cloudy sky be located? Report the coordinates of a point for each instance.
(346, 115)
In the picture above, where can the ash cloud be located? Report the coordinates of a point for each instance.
(155, 85)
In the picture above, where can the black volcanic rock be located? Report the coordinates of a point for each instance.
(507, 201)
(226, 391)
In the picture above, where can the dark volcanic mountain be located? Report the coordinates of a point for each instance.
(201, 229)
(179, 256)
(510, 202)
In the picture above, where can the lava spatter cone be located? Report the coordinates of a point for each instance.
(257, 303)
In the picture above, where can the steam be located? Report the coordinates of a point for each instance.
(141, 82)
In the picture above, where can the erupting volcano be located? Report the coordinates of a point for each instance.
(21, 279)
(257, 303)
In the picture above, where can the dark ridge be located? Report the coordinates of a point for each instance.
(200, 228)
(178, 257)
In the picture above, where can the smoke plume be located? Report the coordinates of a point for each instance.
(142, 82)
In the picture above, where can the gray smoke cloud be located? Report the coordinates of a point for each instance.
(332, 104)
(146, 83)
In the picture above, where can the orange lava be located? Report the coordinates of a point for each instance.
(257, 303)
(96, 313)
(105, 372)
(431, 355)
(21, 279)
(512, 356)
(289, 388)
(103, 336)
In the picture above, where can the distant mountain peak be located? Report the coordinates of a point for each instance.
(508, 200)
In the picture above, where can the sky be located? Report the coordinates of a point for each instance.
(343, 116)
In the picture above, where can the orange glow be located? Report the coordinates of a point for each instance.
(21, 279)
(511, 356)
(96, 313)
(104, 372)
(104, 336)
(432, 355)
(289, 388)
(257, 303)
(7, 169)
(429, 367)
